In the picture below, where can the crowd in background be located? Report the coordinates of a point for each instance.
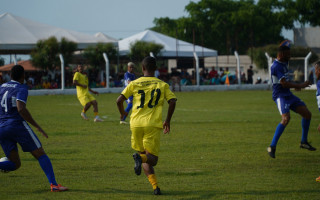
(51, 79)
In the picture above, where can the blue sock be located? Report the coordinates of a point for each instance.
(279, 130)
(7, 165)
(128, 108)
(305, 123)
(46, 166)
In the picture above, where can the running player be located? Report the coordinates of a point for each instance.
(149, 94)
(128, 77)
(14, 128)
(80, 79)
(285, 100)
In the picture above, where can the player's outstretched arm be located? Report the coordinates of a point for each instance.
(120, 101)
(171, 108)
(25, 114)
(298, 86)
(94, 92)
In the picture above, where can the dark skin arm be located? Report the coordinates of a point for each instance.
(75, 82)
(25, 114)
(171, 108)
(120, 101)
(297, 86)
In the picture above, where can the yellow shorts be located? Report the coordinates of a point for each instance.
(146, 138)
(86, 99)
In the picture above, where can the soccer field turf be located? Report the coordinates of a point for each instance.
(216, 150)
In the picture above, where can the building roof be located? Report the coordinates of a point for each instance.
(20, 35)
(26, 64)
(172, 46)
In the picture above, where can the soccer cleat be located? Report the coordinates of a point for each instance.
(318, 179)
(84, 116)
(157, 191)
(137, 163)
(306, 145)
(98, 119)
(58, 188)
(272, 151)
(123, 122)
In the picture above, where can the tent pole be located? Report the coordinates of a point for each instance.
(197, 68)
(238, 66)
(107, 69)
(62, 71)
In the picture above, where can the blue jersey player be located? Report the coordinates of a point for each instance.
(128, 77)
(285, 100)
(14, 128)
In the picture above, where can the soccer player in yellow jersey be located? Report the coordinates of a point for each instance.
(86, 99)
(149, 94)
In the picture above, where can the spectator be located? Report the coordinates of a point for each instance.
(215, 80)
(221, 72)
(163, 73)
(46, 84)
(175, 79)
(250, 75)
(212, 73)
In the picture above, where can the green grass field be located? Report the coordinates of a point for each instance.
(216, 150)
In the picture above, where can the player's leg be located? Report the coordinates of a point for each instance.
(284, 109)
(305, 124)
(46, 165)
(151, 143)
(9, 146)
(127, 110)
(12, 163)
(86, 105)
(29, 142)
(95, 110)
(148, 163)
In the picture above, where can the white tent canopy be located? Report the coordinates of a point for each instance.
(104, 37)
(20, 34)
(172, 46)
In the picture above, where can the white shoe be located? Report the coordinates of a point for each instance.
(98, 119)
(84, 116)
(3, 160)
(123, 122)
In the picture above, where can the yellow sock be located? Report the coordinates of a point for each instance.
(95, 114)
(153, 180)
(83, 111)
(143, 158)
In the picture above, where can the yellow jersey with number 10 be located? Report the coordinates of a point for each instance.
(148, 94)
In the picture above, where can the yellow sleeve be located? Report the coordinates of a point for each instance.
(76, 76)
(128, 91)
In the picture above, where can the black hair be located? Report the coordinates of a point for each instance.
(283, 48)
(149, 63)
(17, 72)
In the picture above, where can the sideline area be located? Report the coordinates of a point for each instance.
(183, 89)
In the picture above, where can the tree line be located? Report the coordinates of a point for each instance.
(228, 25)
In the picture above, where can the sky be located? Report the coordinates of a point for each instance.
(115, 18)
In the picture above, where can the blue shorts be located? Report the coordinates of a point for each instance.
(21, 133)
(285, 104)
